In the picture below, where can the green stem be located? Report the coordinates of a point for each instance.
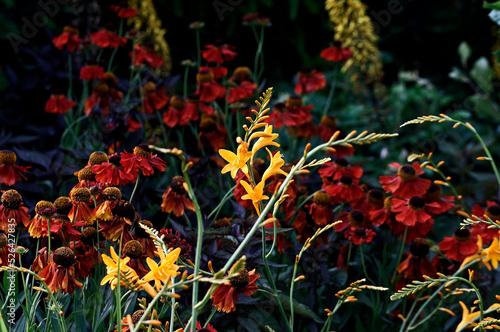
(172, 310)
(363, 264)
(258, 54)
(332, 89)
(118, 289)
(220, 205)
(120, 32)
(70, 76)
(186, 72)
(135, 186)
(212, 314)
(400, 255)
(198, 47)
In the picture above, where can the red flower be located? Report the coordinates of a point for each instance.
(345, 190)
(218, 52)
(460, 246)
(92, 71)
(433, 195)
(124, 216)
(58, 103)
(306, 130)
(216, 69)
(68, 39)
(178, 114)
(336, 53)
(63, 227)
(405, 183)
(212, 133)
(143, 159)
(194, 105)
(123, 10)
(413, 232)
(112, 172)
(415, 209)
(99, 100)
(107, 37)
(358, 235)
(416, 264)
(333, 171)
(12, 209)
(45, 211)
(146, 54)
(308, 81)
(59, 274)
(244, 87)
(81, 199)
(154, 98)
(320, 210)
(239, 191)
(291, 113)
(225, 295)
(175, 198)
(208, 89)
(327, 127)
(383, 214)
(9, 172)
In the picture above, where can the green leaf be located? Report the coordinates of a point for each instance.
(482, 74)
(494, 5)
(457, 74)
(464, 52)
(485, 107)
(299, 308)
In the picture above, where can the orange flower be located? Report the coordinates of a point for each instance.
(225, 295)
(59, 274)
(236, 161)
(256, 194)
(175, 197)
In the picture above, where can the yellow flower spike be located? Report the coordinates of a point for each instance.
(265, 141)
(467, 317)
(255, 194)
(275, 167)
(236, 161)
(167, 269)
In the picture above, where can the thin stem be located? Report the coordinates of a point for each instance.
(332, 89)
(400, 255)
(172, 310)
(198, 47)
(135, 187)
(118, 288)
(221, 204)
(363, 264)
(120, 32)
(186, 72)
(212, 314)
(70, 76)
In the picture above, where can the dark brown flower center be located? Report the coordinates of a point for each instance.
(11, 199)
(101, 89)
(356, 218)
(329, 121)
(143, 150)
(419, 247)
(97, 158)
(63, 205)
(407, 173)
(86, 174)
(294, 101)
(242, 74)
(177, 102)
(125, 210)
(242, 280)
(3, 241)
(341, 163)
(177, 185)
(462, 235)
(62, 218)
(279, 107)
(204, 76)
(321, 198)
(346, 180)
(137, 315)
(360, 232)
(64, 256)
(207, 123)
(193, 98)
(133, 249)
(375, 197)
(493, 212)
(416, 203)
(81, 195)
(112, 194)
(434, 191)
(115, 160)
(388, 203)
(7, 158)
(89, 236)
(140, 232)
(45, 208)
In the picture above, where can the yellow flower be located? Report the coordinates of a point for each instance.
(255, 194)
(275, 167)
(167, 269)
(475, 256)
(266, 138)
(112, 270)
(467, 317)
(492, 254)
(236, 161)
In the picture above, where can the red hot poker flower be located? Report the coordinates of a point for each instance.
(225, 295)
(142, 159)
(123, 10)
(10, 173)
(218, 52)
(108, 37)
(406, 183)
(58, 103)
(309, 80)
(459, 246)
(68, 40)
